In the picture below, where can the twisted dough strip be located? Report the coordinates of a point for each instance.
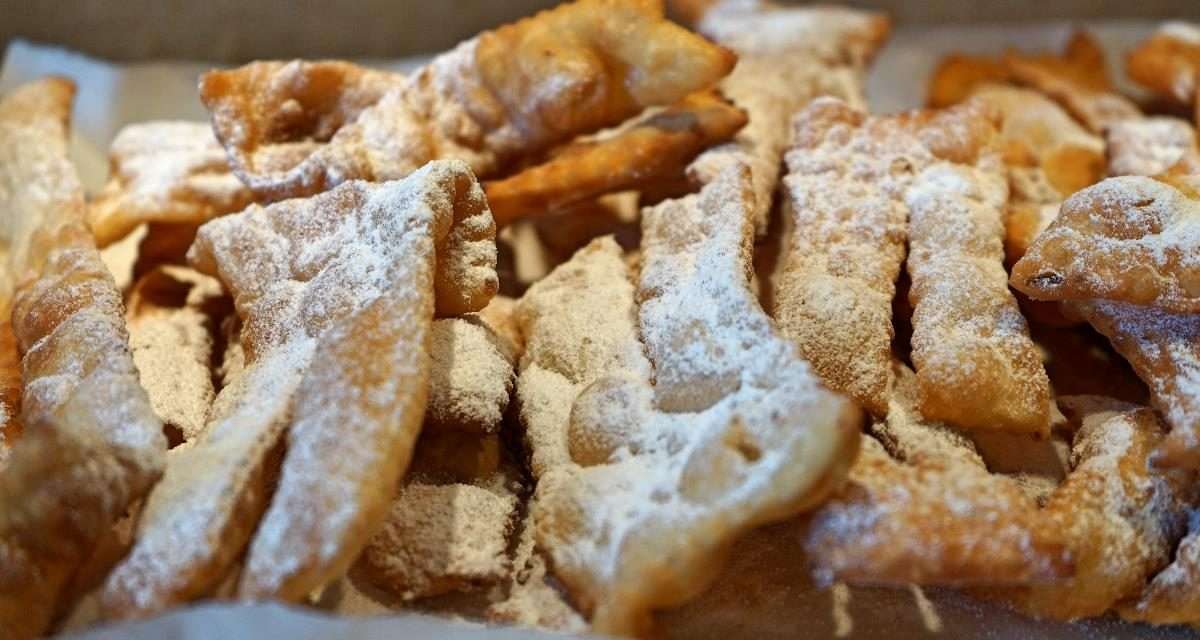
(165, 172)
(733, 432)
(506, 94)
(786, 57)
(322, 286)
(976, 365)
(92, 444)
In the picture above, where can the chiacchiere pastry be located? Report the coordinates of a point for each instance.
(91, 444)
(305, 387)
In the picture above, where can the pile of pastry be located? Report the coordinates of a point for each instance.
(535, 334)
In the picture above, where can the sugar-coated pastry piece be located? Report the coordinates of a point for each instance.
(440, 538)
(1129, 239)
(1049, 157)
(1148, 146)
(734, 431)
(932, 515)
(533, 598)
(272, 115)
(166, 171)
(1168, 62)
(1173, 595)
(976, 365)
(10, 386)
(654, 149)
(471, 376)
(336, 295)
(1164, 350)
(958, 76)
(1119, 517)
(1077, 79)
(579, 324)
(172, 317)
(92, 445)
(847, 175)
(503, 95)
(786, 57)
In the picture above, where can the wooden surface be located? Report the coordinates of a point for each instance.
(240, 30)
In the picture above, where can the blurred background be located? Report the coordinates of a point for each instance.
(238, 30)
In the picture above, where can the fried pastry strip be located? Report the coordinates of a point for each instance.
(1168, 63)
(786, 57)
(172, 318)
(1128, 239)
(1173, 596)
(1164, 350)
(1119, 517)
(1049, 157)
(734, 431)
(656, 149)
(470, 377)
(976, 365)
(1149, 146)
(167, 172)
(323, 286)
(1077, 79)
(506, 94)
(10, 385)
(847, 173)
(933, 515)
(92, 445)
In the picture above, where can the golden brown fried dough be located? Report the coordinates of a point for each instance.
(786, 57)
(1173, 596)
(92, 445)
(506, 94)
(1119, 517)
(1149, 146)
(957, 76)
(847, 173)
(471, 376)
(361, 291)
(656, 149)
(976, 365)
(167, 172)
(1168, 63)
(1077, 79)
(1129, 239)
(733, 432)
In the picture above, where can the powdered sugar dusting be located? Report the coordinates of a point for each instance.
(471, 376)
(1131, 239)
(1147, 146)
(731, 432)
(786, 57)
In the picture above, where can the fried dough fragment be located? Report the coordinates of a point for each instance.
(933, 515)
(1119, 517)
(272, 115)
(167, 172)
(503, 95)
(172, 318)
(324, 286)
(1149, 146)
(735, 431)
(1129, 239)
(1164, 350)
(847, 173)
(1173, 596)
(976, 365)
(92, 445)
(10, 385)
(655, 149)
(1049, 156)
(786, 57)
(1168, 63)
(1077, 79)
(471, 376)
